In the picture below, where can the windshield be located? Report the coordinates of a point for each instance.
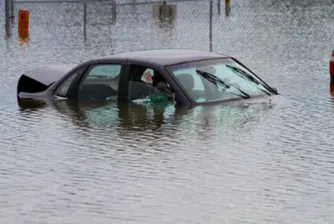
(218, 79)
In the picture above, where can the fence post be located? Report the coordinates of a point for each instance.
(219, 6)
(85, 21)
(210, 29)
(227, 7)
(7, 17)
(113, 2)
(12, 9)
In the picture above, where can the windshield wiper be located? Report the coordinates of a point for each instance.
(237, 71)
(214, 79)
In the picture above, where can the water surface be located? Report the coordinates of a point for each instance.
(65, 163)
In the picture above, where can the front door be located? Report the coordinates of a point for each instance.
(146, 84)
(100, 83)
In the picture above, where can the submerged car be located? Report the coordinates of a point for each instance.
(185, 77)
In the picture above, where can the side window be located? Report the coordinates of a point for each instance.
(100, 83)
(143, 83)
(64, 87)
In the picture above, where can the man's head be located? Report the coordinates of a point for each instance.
(148, 76)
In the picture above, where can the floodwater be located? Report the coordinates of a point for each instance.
(63, 163)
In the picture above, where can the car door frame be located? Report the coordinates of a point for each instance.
(73, 90)
(180, 98)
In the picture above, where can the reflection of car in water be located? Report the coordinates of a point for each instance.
(134, 117)
(184, 77)
(141, 119)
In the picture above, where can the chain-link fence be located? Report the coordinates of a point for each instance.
(141, 24)
(292, 23)
(146, 25)
(124, 26)
(57, 19)
(2, 18)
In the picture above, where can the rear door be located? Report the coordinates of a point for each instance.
(98, 82)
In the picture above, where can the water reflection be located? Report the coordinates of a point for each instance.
(24, 39)
(131, 118)
(121, 117)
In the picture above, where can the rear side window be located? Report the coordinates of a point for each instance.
(100, 83)
(63, 88)
(100, 72)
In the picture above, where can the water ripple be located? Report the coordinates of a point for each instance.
(261, 163)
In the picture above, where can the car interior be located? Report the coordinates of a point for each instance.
(195, 88)
(100, 86)
(97, 91)
(104, 86)
(140, 89)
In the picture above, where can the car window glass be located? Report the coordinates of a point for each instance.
(100, 83)
(229, 76)
(143, 84)
(64, 87)
(103, 71)
(192, 82)
(198, 84)
(217, 80)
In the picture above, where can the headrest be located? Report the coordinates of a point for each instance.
(186, 80)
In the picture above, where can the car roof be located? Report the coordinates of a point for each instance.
(165, 56)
